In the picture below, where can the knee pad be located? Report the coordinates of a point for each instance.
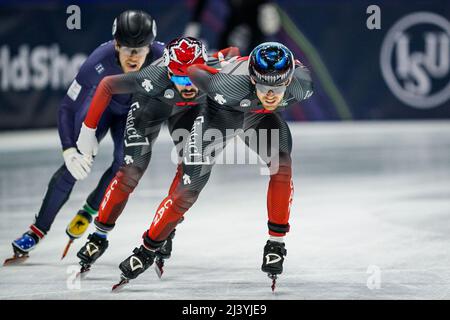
(185, 200)
(284, 170)
(283, 174)
(128, 178)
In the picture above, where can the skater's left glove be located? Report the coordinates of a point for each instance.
(87, 141)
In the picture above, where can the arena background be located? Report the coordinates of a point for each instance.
(39, 56)
(370, 216)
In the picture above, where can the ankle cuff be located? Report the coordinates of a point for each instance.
(89, 209)
(103, 227)
(149, 243)
(37, 231)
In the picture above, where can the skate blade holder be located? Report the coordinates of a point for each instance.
(67, 247)
(119, 286)
(274, 278)
(15, 260)
(159, 267)
(84, 270)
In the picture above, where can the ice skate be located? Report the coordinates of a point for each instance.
(21, 248)
(274, 253)
(91, 251)
(141, 259)
(163, 253)
(76, 228)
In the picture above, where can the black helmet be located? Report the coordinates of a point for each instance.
(134, 28)
(271, 63)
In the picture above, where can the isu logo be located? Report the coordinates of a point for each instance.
(415, 60)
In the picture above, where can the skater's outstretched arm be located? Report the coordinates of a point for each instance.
(201, 75)
(148, 81)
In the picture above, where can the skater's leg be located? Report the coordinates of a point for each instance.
(58, 192)
(180, 125)
(79, 224)
(271, 138)
(59, 189)
(117, 127)
(273, 130)
(137, 155)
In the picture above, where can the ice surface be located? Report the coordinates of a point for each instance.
(370, 220)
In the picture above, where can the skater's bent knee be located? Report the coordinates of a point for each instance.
(129, 178)
(115, 166)
(281, 173)
(281, 169)
(185, 200)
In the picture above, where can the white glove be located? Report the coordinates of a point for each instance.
(78, 165)
(87, 141)
(224, 62)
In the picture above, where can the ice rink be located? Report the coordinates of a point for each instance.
(370, 220)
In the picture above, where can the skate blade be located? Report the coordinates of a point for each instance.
(83, 271)
(119, 286)
(274, 281)
(15, 260)
(159, 267)
(66, 249)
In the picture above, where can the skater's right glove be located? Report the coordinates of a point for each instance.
(87, 141)
(78, 165)
(223, 62)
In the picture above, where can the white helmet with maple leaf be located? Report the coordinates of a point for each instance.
(183, 52)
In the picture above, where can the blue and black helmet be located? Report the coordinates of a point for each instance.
(271, 63)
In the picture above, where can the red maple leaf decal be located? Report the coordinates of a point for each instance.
(185, 53)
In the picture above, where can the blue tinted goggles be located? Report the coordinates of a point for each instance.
(264, 89)
(181, 80)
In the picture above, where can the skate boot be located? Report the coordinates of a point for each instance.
(91, 251)
(76, 228)
(274, 253)
(79, 224)
(134, 265)
(163, 253)
(22, 246)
